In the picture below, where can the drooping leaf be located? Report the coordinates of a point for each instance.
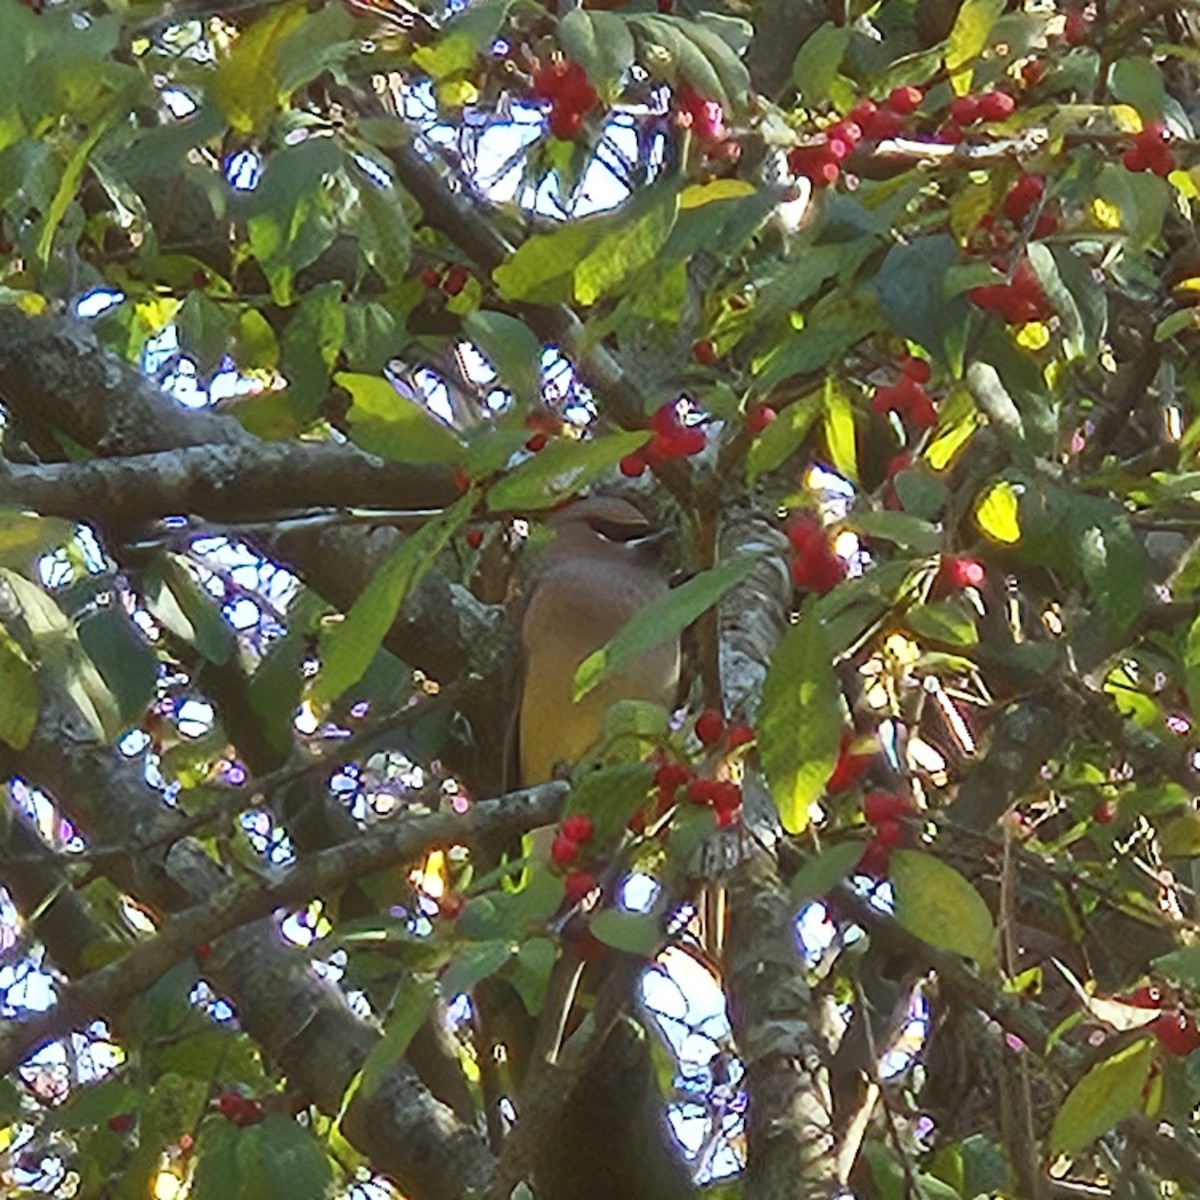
(840, 434)
(800, 723)
(823, 872)
(1105, 1096)
(817, 62)
(178, 602)
(530, 971)
(561, 470)
(476, 962)
(968, 38)
(771, 448)
(245, 84)
(661, 621)
(511, 347)
(409, 1010)
(941, 907)
(348, 646)
(630, 245)
(394, 426)
(633, 932)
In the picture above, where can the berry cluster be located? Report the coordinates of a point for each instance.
(908, 397)
(672, 439)
(565, 84)
(1017, 302)
(987, 106)
(711, 731)
(724, 797)
(451, 282)
(885, 811)
(815, 566)
(1149, 152)
(574, 834)
(239, 1110)
(820, 162)
(848, 769)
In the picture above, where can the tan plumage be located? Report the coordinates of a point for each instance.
(601, 567)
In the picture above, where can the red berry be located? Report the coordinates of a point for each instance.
(450, 906)
(759, 416)
(670, 776)
(251, 1113)
(740, 735)
(848, 769)
(474, 538)
(565, 123)
(964, 110)
(700, 791)
(121, 1122)
(1046, 224)
(862, 112)
(230, 1105)
(1075, 27)
(1032, 72)
(710, 725)
(727, 816)
(704, 352)
(1146, 996)
(905, 100)
(1105, 813)
(579, 885)
(996, 106)
(875, 859)
(1023, 196)
(916, 369)
(889, 833)
(536, 443)
(805, 531)
(817, 570)
(456, 280)
(1176, 1032)
(637, 823)
(848, 131)
(726, 796)
(885, 806)
(665, 420)
(632, 466)
(431, 277)
(564, 850)
(579, 828)
(202, 953)
(1134, 159)
(961, 572)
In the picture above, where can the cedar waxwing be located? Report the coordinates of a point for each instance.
(601, 567)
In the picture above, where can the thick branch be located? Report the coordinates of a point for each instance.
(223, 480)
(403, 840)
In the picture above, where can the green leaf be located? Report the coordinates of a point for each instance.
(125, 660)
(635, 933)
(1105, 1096)
(614, 53)
(280, 1158)
(411, 1007)
(800, 724)
(1113, 563)
(817, 62)
(348, 646)
(383, 229)
(25, 536)
(463, 38)
(825, 339)
(511, 347)
(951, 622)
(177, 602)
(245, 85)
(530, 971)
(311, 344)
(321, 41)
(968, 38)
(780, 440)
(69, 183)
(731, 72)
(542, 268)
(634, 242)
(610, 796)
(911, 286)
(839, 430)
(901, 529)
(476, 962)
(823, 872)
(1180, 966)
(393, 426)
(938, 905)
(559, 471)
(205, 330)
(94, 1104)
(661, 621)
(1180, 838)
(1138, 82)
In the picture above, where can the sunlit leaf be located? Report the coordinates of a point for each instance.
(394, 426)
(1109, 1093)
(997, 515)
(941, 907)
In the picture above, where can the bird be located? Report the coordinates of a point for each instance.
(602, 566)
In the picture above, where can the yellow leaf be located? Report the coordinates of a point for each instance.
(32, 303)
(1190, 285)
(1033, 336)
(997, 516)
(945, 447)
(1126, 118)
(840, 434)
(457, 93)
(245, 85)
(700, 194)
